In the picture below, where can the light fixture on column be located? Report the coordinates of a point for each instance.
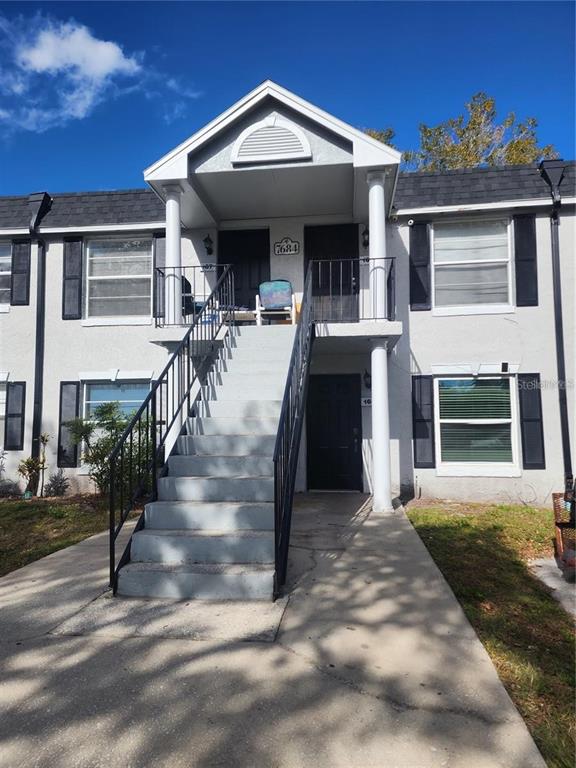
(367, 379)
(365, 238)
(209, 245)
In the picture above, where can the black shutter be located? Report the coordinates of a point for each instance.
(20, 279)
(69, 409)
(531, 426)
(15, 410)
(420, 289)
(159, 261)
(423, 421)
(72, 280)
(525, 261)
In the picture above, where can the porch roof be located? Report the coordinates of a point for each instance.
(220, 181)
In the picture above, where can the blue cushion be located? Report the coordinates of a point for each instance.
(276, 294)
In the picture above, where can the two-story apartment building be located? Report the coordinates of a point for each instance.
(435, 364)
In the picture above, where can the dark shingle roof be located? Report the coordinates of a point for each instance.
(81, 209)
(467, 186)
(414, 190)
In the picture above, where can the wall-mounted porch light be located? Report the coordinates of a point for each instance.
(365, 238)
(209, 245)
(367, 379)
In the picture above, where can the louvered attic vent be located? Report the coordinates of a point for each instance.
(269, 141)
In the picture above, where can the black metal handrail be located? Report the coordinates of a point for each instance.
(289, 433)
(135, 461)
(350, 290)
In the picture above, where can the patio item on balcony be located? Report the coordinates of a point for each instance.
(275, 298)
(565, 539)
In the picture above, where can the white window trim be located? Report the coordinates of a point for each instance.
(89, 321)
(5, 305)
(475, 309)
(479, 469)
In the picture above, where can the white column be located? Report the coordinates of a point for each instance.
(173, 278)
(381, 475)
(377, 246)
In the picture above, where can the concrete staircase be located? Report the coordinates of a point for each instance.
(210, 534)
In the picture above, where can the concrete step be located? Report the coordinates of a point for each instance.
(208, 425)
(226, 445)
(203, 515)
(184, 546)
(202, 582)
(244, 409)
(216, 489)
(220, 466)
(249, 390)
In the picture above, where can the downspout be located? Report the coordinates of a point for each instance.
(39, 205)
(552, 171)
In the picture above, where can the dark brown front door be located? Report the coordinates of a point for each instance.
(333, 251)
(334, 432)
(248, 250)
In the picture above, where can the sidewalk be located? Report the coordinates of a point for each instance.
(371, 664)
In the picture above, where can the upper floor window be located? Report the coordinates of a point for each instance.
(119, 277)
(5, 269)
(472, 265)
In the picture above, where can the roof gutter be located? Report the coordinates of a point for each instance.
(552, 172)
(39, 204)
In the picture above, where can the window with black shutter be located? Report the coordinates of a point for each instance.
(69, 410)
(423, 421)
(159, 263)
(531, 423)
(20, 273)
(525, 261)
(15, 415)
(420, 290)
(72, 279)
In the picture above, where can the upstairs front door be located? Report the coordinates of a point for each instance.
(248, 250)
(333, 251)
(334, 433)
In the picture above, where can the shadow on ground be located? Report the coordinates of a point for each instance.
(374, 666)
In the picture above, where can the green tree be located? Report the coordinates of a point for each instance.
(475, 139)
(386, 135)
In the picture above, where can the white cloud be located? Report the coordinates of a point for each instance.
(52, 72)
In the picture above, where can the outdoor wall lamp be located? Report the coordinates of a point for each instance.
(209, 245)
(365, 237)
(367, 379)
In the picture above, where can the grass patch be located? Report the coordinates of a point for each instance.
(32, 529)
(482, 551)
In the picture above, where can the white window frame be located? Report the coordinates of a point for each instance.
(475, 309)
(116, 319)
(5, 305)
(84, 469)
(480, 468)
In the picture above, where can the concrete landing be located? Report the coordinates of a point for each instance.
(373, 666)
(255, 621)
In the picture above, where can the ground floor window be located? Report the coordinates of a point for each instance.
(476, 421)
(129, 395)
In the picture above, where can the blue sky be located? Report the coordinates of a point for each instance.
(92, 93)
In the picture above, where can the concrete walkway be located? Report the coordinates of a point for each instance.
(371, 664)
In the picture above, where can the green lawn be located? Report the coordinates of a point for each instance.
(32, 529)
(482, 551)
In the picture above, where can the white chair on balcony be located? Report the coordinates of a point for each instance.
(275, 298)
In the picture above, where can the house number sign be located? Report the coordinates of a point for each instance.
(287, 247)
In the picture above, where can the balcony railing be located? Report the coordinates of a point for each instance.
(342, 291)
(351, 290)
(180, 292)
